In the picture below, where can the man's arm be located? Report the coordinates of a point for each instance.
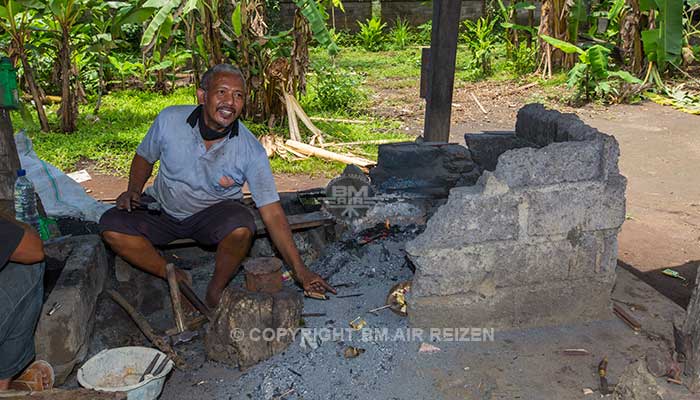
(139, 173)
(30, 249)
(276, 223)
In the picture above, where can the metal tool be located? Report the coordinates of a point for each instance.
(150, 367)
(56, 306)
(161, 366)
(195, 300)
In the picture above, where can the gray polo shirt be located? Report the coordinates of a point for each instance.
(188, 178)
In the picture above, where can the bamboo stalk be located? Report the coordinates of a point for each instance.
(328, 155)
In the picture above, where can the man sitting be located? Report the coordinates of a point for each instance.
(206, 155)
(21, 299)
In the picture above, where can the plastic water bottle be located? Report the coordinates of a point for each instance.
(25, 200)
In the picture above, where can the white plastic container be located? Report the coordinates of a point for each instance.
(119, 370)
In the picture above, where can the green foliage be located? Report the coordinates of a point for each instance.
(523, 59)
(591, 76)
(400, 34)
(480, 39)
(371, 34)
(663, 45)
(335, 90)
(425, 32)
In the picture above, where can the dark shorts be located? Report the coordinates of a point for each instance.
(207, 227)
(21, 298)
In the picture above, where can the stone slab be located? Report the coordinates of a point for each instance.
(62, 339)
(500, 265)
(552, 164)
(486, 147)
(584, 206)
(468, 217)
(435, 166)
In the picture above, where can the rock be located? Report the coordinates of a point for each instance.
(533, 243)
(658, 362)
(427, 168)
(636, 383)
(62, 338)
(249, 327)
(486, 147)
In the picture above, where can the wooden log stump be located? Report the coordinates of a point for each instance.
(249, 327)
(263, 274)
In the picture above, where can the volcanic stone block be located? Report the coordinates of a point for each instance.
(486, 147)
(431, 168)
(551, 303)
(62, 338)
(481, 219)
(249, 327)
(483, 267)
(555, 163)
(585, 206)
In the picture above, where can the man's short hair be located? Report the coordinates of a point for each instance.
(218, 68)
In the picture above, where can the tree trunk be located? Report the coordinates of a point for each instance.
(29, 78)
(69, 108)
(212, 36)
(9, 163)
(690, 345)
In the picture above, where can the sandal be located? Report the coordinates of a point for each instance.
(38, 376)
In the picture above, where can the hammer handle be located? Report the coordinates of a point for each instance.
(195, 300)
(175, 297)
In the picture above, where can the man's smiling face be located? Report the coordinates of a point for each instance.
(222, 101)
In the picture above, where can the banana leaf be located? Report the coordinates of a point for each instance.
(663, 45)
(309, 9)
(158, 19)
(566, 47)
(578, 14)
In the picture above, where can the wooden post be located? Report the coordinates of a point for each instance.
(263, 274)
(9, 163)
(441, 72)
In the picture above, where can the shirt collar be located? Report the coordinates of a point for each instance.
(193, 120)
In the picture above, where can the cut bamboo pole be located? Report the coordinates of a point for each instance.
(328, 155)
(292, 117)
(361, 142)
(342, 120)
(318, 134)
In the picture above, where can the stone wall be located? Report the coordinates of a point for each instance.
(534, 242)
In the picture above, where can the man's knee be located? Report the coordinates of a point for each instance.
(239, 235)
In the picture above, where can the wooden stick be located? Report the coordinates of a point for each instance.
(361, 142)
(175, 297)
(626, 318)
(147, 330)
(483, 110)
(516, 90)
(379, 308)
(193, 325)
(346, 121)
(328, 155)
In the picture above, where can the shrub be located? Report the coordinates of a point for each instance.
(480, 38)
(371, 34)
(425, 33)
(400, 35)
(336, 89)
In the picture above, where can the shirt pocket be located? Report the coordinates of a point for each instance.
(231, 172)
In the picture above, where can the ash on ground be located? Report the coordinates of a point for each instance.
(314, 366)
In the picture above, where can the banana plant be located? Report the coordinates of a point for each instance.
(592, 76)
(16, 19)
(663, 44)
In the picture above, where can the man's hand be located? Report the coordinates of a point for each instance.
(312, 282)
(128, 200)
